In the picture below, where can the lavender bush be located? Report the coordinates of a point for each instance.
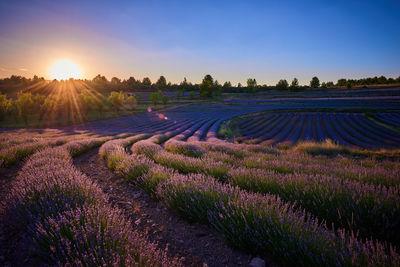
(264, 224)
(184, 148)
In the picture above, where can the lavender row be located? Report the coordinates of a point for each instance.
(66, 218)
(262, 224)
(373, 210)
(375, 172)
(286, 129)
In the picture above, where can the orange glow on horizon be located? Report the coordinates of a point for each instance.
(65, 69)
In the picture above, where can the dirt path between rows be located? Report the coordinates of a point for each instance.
(7, 238)
(196, 244)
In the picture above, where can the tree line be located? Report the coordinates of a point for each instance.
(68, 107)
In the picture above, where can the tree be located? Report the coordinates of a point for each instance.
(115, 81)
(314, 83)
(251, 83)
(323, 85)
(294, 83)
(348, 85)
(131, 102)
(239, 85)
(227, 85)
(100, 104)
(146, 81)
(131, 83)
(184, 83)
(341, 82)
(138, 97)
(206, 86)
(161, 82)
(382, 80)
(282, 85)
(5, 105)
(117, 100)
(100, 79)
(164, 99)
(87, 101)
(329, 84)
(24, 105)
(155, 97)
(191, 94)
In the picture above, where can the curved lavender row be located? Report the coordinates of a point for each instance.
(256, 124)
(201, 132)
(252, 132)
(261, 224)
(364, 129)
(348, 134)
(245, 122)
(387, 120)
(287, 129)
(275, 128)
(352, 197)
(390, 117)
(69, 219)
(10, 154)
(368, 209)
(272, 129)
(320, 134)
(331, 133)
(394, 115)
(212, 134)
(295, 134)
(250, 122)
(179, 147)
(355, 132)
(308, 131)
(110, 146)
(266, 225)
(349, 169)
(188, 132)
(384, 130)
(375, 210)
(373, 127)
(162, 137)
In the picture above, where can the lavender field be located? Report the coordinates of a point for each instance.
(292, 188)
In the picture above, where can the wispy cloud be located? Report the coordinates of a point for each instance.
(3, 69)
(23, 69)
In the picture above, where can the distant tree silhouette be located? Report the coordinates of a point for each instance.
(329, 84)
(161, 82)
(100, 79)
(206, 86)
(282, 85)
(146, 81)
(382, 80)
(115, 81)
(341, 82)
(227, 84)
(314, 83)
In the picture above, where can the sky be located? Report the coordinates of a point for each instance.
(231, 40)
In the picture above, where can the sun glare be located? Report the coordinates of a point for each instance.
(65, 69)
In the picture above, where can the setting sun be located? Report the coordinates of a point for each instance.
(65, 69)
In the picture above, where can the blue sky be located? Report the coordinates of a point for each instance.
(231, 40)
